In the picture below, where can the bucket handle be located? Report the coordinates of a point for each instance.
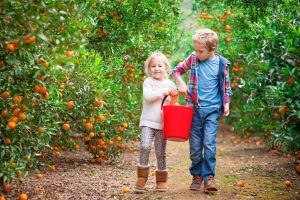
(162, 103)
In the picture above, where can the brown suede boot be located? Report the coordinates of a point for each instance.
(142, 177)
(161, 180)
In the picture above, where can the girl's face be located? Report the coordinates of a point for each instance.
(202, 52)
(158, 68)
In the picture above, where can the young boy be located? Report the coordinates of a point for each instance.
(209, 86)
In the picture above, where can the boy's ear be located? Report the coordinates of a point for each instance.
(213, 49)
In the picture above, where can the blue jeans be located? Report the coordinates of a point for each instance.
(203, 141)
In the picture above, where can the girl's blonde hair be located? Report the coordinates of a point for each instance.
(151, 57)
(207, 37)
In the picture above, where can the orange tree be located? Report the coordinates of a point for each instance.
(261, 40)
(74, 68)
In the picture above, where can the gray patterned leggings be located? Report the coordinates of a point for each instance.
(148, 134)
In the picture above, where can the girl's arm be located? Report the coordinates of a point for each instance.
(150, 95)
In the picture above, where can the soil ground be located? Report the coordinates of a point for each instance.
(263, 173)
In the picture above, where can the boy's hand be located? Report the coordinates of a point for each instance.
(182, 88)
(226, 110)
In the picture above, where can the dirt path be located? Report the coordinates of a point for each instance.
(263, 173)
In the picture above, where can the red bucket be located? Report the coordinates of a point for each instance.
(177, 122)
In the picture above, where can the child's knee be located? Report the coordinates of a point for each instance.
(145, 147)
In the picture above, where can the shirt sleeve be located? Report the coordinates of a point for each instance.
(151, 95)
(182, 67)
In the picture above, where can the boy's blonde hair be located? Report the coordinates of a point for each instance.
(207, 37)
(151, 57)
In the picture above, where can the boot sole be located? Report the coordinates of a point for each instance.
(210, 189)
(140, 190)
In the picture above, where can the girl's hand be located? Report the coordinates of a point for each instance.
(226, 110)
(173, 92)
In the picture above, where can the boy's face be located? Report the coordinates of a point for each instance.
(158, 68)
(202, 53)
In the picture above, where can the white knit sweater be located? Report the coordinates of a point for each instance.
(153, 94)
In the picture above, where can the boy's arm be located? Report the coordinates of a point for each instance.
(179, 70)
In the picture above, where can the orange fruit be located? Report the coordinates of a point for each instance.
(98, 102)
(297, 168)
(125, 125)
(119, 138)
(17, 99)
(288, 183)
(101, 153)
(121, 146)
(37, 88)
(283, 110)
(4, 113)
(102, 143)
(102, 134)
(150, 37)
(16, 111)
(1, 63)
(6, 187)
(77, 146)
(39, 176)
(240, 184)
(45, 96)
(57, 153)
(24, 107)
(11, 125)
(2, 197)
(228, 39)
(22, 116)
(70, 105)
(69, 53)
(101, 118)
(16, 42)
(23, 196)
(228, 28)
(291, 80)
(13, 119)
(65, 127)
(10, 47)
(46, 64)
(43, 89)
(92, 134)
(5, 94)
(121, 129)
(52, 167)
(110, 143)
(126, 190)
(32, 39)
(98, 160)
(88, 126)
(40, 129)
(86, 138)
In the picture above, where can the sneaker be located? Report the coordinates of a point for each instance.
(197, 183)
(210, 184)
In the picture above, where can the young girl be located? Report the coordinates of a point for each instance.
(155, 87)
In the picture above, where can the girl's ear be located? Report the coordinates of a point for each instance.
(168, 68)
(213, 49)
